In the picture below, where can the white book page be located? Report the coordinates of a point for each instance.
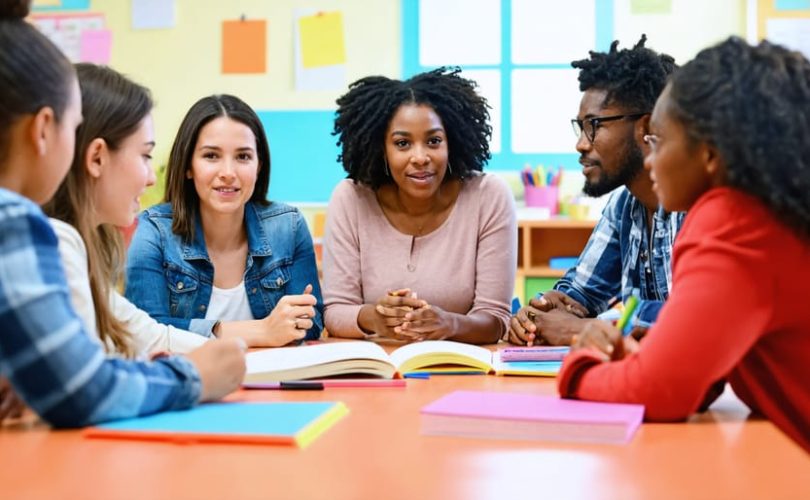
(410, 351)
(290, 358)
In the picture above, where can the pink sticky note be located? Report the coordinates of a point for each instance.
(95, 46)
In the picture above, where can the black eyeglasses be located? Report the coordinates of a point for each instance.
(589, 125)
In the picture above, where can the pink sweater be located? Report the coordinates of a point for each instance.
(465, 266)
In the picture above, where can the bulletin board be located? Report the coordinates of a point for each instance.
(786, 22)
(258, 50)
(519, 52)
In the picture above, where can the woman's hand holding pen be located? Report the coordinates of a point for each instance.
(605, 339)
(221, 365)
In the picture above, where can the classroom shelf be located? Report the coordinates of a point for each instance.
(538, 241)
(543, 272)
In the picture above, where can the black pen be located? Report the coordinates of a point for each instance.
(292, 385)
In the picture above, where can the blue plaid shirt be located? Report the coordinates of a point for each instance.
(620, 256)
(49, 359)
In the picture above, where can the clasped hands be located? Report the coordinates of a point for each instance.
(402, 316)
(553, 318)
(557, 319)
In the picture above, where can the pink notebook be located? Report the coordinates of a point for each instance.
(505, 415)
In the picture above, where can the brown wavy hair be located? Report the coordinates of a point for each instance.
(180, 191)
(113, 107)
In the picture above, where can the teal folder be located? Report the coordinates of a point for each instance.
(290, 423)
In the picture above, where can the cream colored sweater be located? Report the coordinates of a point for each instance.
(149, 335)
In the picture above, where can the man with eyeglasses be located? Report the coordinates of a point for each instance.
(630, 249)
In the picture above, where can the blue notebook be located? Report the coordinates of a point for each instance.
(529, 368)
(290, 423)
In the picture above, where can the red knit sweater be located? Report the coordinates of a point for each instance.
(739, 309)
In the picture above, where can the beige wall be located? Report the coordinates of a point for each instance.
(183, 64)
(691, 25)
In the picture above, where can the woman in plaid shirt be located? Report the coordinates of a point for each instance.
(46, 357)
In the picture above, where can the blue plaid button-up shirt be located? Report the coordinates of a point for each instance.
(621, 256)
(51, 362)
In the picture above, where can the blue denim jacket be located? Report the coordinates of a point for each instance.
(172, 280)
(620, 257)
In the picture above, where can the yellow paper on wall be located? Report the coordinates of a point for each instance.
(322, 40)
(47, 3)
(651, 6)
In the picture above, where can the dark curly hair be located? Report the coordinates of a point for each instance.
(365, 111)
(753, 105)
(631, 77)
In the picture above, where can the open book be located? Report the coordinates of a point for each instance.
(366, 358)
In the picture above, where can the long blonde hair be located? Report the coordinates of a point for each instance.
(113, 107)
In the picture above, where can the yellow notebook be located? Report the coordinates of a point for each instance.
(367, 358)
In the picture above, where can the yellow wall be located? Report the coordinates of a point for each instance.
(690, 26)
(183, 64)
(766, 9)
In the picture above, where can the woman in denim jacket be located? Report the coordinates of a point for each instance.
(218, 258)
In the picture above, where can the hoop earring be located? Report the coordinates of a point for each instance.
(385, 167)
(449, 168)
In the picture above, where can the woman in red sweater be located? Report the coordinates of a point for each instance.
(730, 144)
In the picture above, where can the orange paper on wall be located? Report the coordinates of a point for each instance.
(244, 46)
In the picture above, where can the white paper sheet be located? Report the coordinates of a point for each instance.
(461, 32)
(543, 103)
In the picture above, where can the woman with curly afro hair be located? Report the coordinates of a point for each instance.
(419, 244)
(728, 143)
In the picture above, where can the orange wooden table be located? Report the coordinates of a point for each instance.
(378, 452)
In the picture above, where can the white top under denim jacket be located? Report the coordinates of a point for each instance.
(172, 279)
(229, 304)
(149, 335)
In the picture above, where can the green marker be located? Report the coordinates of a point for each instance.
(629, 308)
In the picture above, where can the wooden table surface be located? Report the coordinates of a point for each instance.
(377, 452)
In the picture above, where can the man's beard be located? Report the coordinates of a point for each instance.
(632, 163)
